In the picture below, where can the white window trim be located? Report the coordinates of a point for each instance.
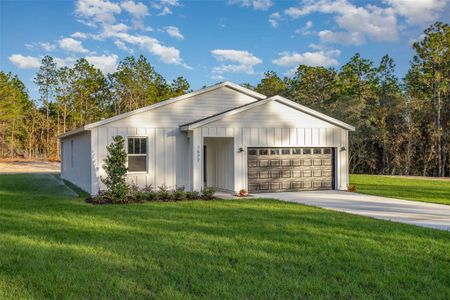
(147, 167)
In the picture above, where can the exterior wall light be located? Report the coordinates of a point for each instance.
(240, 150)
(343, 149)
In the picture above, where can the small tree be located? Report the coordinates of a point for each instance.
(116, 170)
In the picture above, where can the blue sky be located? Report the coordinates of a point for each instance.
(211, 41)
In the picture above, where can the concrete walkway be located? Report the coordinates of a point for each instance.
(410, 212)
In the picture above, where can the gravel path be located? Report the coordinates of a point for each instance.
(25, 166)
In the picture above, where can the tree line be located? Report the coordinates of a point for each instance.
(402, 125)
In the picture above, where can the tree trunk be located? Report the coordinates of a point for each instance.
(11, 146)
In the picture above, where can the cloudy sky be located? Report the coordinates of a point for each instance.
(211, 41)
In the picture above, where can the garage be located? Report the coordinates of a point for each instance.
(290, 169)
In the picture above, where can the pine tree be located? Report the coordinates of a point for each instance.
(116, 170)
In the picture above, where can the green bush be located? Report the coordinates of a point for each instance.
(179, 194)
(163, 193)
(115, 167)
(208, 193)
(193, 195)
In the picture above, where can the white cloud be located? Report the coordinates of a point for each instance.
(174, 32)
(169, 55)
(46, 46)
(110, 30)
(106, 63)
(96, 11)
(217, 77)
(137, 10)
(417, 39)
(25, 62)
(164, 6)
(274, 19)
(122, 46)
(324, 58)
(102, 14)
(305, 30)
(255, 4)
(65, 62)
(357, 23)
(242, 61)
(79, 35)
(418, 11)
(341, 37)
(72, 45)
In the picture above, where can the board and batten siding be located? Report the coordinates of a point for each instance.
(278, 126)
(169, 150)
(76, 160)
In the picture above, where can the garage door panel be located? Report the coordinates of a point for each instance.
(289, 169)
(264, 163)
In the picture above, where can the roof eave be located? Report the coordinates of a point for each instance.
(72, 132)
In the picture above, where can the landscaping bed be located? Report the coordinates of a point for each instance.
(162, 194)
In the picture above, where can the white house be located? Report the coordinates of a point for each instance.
(224, 136)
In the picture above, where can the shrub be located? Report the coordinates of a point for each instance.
(115, 181)
(163, 193)
(194, 195)
(148, 188)
(208, 193)
(179, 194)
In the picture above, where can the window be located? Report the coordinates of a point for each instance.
(274, 152)
(251, 151)
(137, 154)
(306, 151)
(285, 151)
(296, 151)
(327, 151)
(317, 151)
(263, 152)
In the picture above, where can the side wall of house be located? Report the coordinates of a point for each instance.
(76, 160)
(277, 125)
(169, 152)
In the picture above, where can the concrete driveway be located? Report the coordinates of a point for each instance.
(403, 211)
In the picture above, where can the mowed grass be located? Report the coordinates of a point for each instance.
(56, 246)
(425, 190)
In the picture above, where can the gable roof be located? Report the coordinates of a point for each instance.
(228, 84)
(290, 103)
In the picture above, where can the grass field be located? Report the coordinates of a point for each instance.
(54, 245)
(425, 190)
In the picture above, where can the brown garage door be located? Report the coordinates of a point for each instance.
(289, 169)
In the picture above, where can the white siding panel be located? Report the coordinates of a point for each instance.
(77, 157)
(308, 136)
(293, 139)
(315, 136)
(159, 153)
(271, 115)
(188, 110)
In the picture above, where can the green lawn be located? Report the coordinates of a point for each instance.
(425, 190)
(56, 246)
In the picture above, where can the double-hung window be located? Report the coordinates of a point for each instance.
(137, 154)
